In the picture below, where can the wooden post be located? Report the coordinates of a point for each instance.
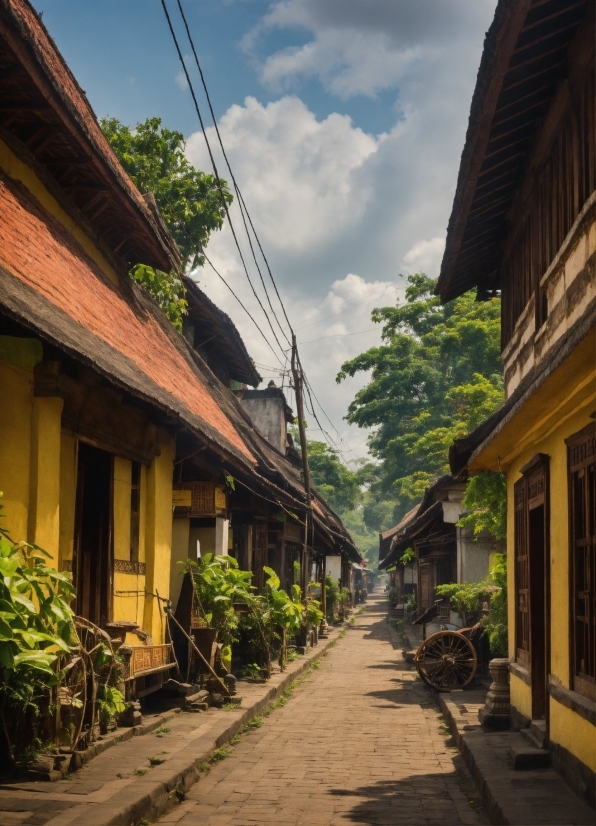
(296, 374)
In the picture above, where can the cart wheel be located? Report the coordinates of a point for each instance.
(446, 660)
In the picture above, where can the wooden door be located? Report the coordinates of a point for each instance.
(93, 535)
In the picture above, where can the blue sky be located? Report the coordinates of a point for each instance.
(344, 121)
(122, 54)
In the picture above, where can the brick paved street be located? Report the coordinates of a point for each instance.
(359, 742)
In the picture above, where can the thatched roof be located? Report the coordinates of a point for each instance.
(46, 118)
(215, 329)
(523, 62)
(52, 283)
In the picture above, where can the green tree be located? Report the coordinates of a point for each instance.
(347, 491)
(435, 377)
(337, 483)
(191, 202)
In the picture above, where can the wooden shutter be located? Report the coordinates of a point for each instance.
(424, 585)
(582, 524)
(259, 551)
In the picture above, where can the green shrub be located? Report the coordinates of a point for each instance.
(36, 636)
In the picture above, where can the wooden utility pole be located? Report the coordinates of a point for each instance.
(297, 376)
(300, 411)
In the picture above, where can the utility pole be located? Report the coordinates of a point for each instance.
(297, 376)
(300, 410)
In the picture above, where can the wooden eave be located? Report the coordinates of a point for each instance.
(523, 63)
(44, 111)
(215, 331)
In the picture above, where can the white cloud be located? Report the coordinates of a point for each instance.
(360, 47)
(181, 81)
(341, 212)
(297, 173)
(425, 255)
(329, 332)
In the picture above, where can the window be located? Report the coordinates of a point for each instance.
(582, 529)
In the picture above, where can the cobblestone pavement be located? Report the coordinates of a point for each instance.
(359, 742)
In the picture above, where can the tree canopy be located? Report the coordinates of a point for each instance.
(434, 378)
(348, 492)
(191, 202)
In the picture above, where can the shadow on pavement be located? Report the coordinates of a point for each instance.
(419, 800)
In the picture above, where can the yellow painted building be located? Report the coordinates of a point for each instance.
(96, 385)
(524, 226)
(106, 409)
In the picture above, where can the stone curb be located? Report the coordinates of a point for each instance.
(152, 796)
(472, 754)
(509, 796)
(122, 736)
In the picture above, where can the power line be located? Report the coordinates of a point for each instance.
(245, 218)
(214, 165)
(202, 252)
(241, 202)
(219, 275)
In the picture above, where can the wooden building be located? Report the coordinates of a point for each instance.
(110, 419)
(443, 551)
(524, 225)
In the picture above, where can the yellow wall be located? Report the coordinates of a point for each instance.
(574, 733)
(15, 447)
(560, 408)
(44, 487)
(68, 494)
(129, 599)
(553, 446)
(521, 696)
(122, 484)
(158, 536)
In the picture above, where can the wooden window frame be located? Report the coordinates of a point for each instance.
(530, 493)
(581, 465)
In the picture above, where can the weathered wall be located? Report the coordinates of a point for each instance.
(267, 414)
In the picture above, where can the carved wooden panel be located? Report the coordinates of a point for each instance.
(127, 566)
(146, 658)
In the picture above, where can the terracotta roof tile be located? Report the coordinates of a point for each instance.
(40, 252)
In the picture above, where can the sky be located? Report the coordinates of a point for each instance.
(344, 122)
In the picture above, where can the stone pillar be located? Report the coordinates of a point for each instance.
(221, 536)
(496, 712)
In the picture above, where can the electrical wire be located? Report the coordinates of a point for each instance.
(241, 201)
(202, 252)
(214, 166)
(245, 214)
(219, 275)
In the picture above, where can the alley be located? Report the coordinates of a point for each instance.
(358, 742)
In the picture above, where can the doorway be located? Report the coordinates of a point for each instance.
(93, 534)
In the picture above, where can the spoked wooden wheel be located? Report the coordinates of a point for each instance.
(83, 674)
(446, 660)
